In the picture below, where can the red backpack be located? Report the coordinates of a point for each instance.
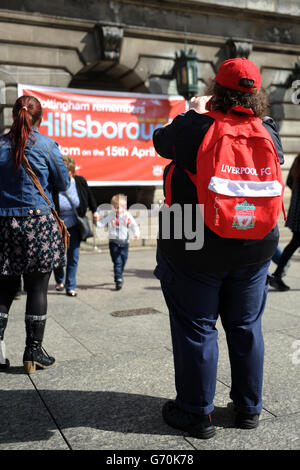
(238, 177)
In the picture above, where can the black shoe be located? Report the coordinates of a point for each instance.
(278, 284)
(246, 421)
(119, 285)
(195, 425)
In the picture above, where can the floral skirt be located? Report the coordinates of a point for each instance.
(29, 244)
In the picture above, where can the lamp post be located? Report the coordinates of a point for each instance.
(186, 73)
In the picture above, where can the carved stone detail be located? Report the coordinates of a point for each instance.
(109, 40)
(280, 35)
(238, 48)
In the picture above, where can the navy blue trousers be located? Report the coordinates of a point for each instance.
(195, 301)
(119, 255)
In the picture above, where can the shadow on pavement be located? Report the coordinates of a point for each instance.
(22, 420)
(142, 273)
(104, 285)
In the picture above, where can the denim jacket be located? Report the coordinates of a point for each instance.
(18, 194)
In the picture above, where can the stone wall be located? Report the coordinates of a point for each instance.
(125, 45)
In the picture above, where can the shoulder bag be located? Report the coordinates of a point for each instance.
(60, 223)
(82, 222)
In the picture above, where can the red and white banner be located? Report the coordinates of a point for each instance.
(108, 134)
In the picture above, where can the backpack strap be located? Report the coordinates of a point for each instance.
(60, 223)
(168, 180)
(192, 176)
(283, 210)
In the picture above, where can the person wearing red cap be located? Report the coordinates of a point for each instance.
(227, 277)
(233, 72)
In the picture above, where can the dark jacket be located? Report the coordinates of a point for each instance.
(293, 217)
(179, 142)
(86, 198)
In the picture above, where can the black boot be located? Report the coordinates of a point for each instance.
(34, 355)
(277, 283)
(4, 362)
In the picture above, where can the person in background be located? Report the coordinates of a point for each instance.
(119, 222)
(82, 200)
(293, 222)
(30, 241)
(276, 259)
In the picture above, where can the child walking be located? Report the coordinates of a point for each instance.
(119, 221)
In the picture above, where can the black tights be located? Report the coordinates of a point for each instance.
(36, 285)
(288, 253)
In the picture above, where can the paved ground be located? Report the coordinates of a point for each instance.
(114, 372)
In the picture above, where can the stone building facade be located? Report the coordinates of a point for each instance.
(127, 45)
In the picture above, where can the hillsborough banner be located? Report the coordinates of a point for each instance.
(108, 134)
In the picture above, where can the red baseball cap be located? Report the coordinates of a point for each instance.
(231, 71)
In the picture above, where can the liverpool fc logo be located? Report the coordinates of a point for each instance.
(244, 216)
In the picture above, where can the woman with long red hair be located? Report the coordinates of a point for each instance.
(31, 244)
(293, 222)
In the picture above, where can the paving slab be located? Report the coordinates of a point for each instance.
(114, 405)
(26, 423)
(271, 434)
(114, 373)
(282, 376)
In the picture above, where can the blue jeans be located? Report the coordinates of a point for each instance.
(119, 255)
(195, 300)
(72, 262)
(276, 259)
(277, 255)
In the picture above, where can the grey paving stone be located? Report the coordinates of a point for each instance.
(282, 375)
(113, 374)
(271, 434)
(25, 422)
